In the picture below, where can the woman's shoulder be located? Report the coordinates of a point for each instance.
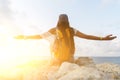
(52, 30)
(74, 30)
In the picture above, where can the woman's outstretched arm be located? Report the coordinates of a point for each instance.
(92, 37)
(37, 36)
(28, 37)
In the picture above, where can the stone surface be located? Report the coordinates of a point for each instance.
(111, 70)
(84, 68)
(85, 61)
(75, 72)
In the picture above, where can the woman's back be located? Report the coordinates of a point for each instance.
(63, 47)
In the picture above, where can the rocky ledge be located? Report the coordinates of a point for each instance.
(83, 68)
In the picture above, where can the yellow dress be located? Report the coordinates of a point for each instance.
(63, 47)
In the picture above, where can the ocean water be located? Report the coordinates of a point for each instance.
(115, 60)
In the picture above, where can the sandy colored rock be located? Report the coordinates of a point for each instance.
(85, 61)
(82, 73)
(111, 70)
(84, 68)
(65, 68)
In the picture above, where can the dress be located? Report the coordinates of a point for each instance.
(63, 47)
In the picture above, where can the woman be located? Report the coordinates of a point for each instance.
(63, 47)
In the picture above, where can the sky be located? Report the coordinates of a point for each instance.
(95, 17)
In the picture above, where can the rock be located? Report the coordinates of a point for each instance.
(70, 71)
(83, 73)
(112, 70)
(85, 61)
(51, 72)
(65, 68)
(83, 69)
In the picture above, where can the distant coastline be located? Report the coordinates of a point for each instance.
(115, 60)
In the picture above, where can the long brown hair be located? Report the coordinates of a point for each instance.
(63, 22)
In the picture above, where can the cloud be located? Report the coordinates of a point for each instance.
(97, 48)
(105, 3)
(5, 11)
(13, 19)
(7, 22)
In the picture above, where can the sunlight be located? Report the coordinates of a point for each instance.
(19, 57)
(16, 54)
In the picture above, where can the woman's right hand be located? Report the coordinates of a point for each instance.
(20, 37)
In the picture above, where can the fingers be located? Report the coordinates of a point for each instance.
(114, 37)
(110, 37)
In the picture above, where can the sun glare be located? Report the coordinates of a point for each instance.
(16, 54)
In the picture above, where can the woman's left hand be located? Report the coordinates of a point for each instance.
(109, 37)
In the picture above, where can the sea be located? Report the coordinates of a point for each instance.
(114, 60)
(97, 60)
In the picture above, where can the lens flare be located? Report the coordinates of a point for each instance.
(20, 56)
